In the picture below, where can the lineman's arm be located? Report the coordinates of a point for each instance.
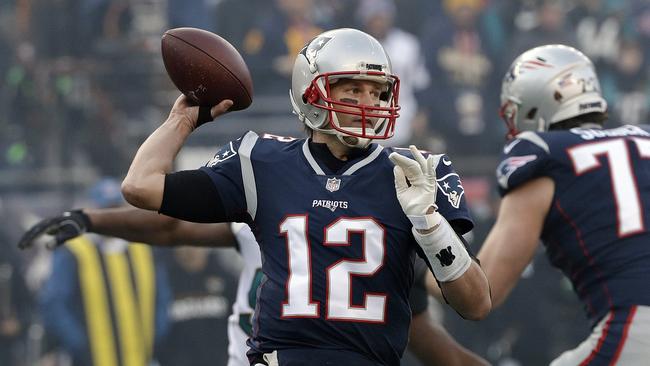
(513, 240)
(432, 345)
(144, 183)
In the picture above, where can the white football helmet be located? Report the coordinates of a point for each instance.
(344, 54)
(546, 85)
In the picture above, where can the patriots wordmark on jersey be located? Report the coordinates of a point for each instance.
(337, 250)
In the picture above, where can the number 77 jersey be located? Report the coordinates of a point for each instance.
(337, 250)
(596, 230)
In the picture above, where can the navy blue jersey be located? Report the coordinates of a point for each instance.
(337, 249)
(596, 230)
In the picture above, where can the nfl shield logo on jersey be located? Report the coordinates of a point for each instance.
(333, 184)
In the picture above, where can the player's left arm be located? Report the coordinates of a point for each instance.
(461, 279)
(144, 183)
(513, 240)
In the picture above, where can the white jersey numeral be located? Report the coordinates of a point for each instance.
(299, 302)
(339, 276)
(629, 212)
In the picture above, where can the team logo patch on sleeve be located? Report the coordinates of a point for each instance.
(452, 188)
(227, 152)
(510, 165)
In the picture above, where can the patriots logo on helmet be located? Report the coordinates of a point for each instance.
(224, 154)
(311, 50)
(510, 165)
(451, 186)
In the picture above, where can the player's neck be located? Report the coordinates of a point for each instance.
(336, 147)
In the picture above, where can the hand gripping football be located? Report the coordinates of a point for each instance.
(206, 68)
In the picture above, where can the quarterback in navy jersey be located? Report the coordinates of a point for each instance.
(339, 219)
(581, 189)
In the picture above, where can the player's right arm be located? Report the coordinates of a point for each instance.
(144, 183)
(131, 224)
(527, 196)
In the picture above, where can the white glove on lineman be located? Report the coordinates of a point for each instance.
(446, 253)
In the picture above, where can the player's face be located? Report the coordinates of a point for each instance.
(356, 92)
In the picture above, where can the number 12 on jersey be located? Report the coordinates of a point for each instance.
(339, 275)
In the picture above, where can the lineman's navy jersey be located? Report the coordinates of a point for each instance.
(337, 249)
(596, 230)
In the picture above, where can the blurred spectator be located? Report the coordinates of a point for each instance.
(192, 13)
(202, 292)
(599, 30)
(234, 19)
(26, 131)
(377, 18)
(105, 302)
(460, 48)
(271, 44)
(15, 305)
(627, 87)
(640, 11)
(413, 14)
(549, 26)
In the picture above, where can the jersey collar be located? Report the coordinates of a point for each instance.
(371, 154)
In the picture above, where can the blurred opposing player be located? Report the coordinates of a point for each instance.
(581, 189)
(337, 223)
(430, 343)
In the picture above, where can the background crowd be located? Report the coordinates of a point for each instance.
(82, 84)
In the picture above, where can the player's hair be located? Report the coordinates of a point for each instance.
(577, 121)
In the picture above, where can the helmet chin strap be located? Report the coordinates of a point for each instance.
(351, 141)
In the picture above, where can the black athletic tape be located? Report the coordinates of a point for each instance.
(204, 116)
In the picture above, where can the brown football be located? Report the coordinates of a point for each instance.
(206, 68)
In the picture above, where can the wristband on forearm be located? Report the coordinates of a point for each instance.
(445, 251)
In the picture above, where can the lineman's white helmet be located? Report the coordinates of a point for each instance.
(546, 85)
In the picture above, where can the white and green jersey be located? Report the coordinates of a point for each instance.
(239, 322)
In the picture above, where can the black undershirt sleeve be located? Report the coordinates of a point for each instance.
(190, 195)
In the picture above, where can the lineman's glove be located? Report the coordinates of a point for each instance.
(445, 251)
(62, 228)
(418, 200)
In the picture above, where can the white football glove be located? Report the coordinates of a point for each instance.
(418, 200)
(445, 251)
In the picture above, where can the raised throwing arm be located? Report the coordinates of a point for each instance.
(144, 183)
